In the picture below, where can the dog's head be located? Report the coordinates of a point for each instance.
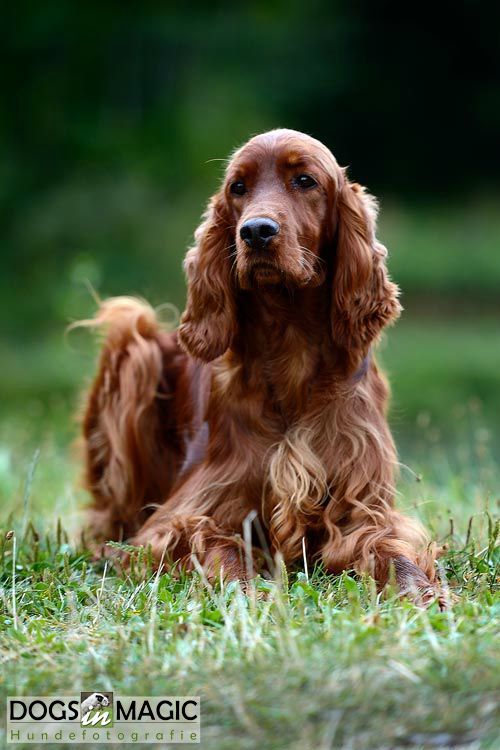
(286, 216)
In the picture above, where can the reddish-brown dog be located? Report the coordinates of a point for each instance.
(267, 399)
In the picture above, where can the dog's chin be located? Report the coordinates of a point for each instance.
(263, 274)
(258, 275)
(269, 276)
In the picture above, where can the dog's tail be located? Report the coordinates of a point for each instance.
(126, 456)
(122, 318)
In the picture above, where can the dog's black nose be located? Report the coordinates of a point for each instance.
(258, 232)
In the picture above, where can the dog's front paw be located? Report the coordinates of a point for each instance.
(413, 583)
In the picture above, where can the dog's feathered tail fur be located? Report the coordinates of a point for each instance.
(129, 461)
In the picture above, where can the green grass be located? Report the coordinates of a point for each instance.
(444, 377)
(308, 661)
(438, 252)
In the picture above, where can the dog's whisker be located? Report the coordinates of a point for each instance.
(215, 158)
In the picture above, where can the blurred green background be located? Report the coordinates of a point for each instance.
(114, 118)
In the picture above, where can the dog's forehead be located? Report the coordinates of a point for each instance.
(287, 148)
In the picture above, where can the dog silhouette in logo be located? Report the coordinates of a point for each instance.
(96, 700)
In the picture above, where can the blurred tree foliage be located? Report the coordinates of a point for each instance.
(111, 112)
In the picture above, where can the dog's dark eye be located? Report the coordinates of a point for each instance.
(238, 188)
(304, 181)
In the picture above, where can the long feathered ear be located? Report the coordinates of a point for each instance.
(208, 323)
(364, 300)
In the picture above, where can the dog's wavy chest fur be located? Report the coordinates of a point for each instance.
(291, 442)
